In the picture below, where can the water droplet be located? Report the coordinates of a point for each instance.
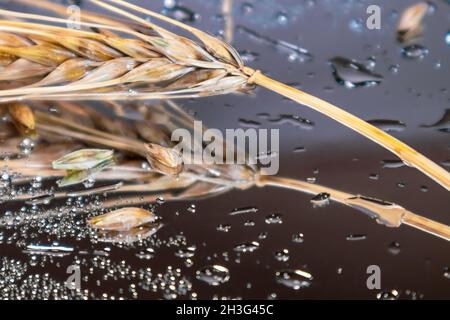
(282, 18)
(353, 74)
(356, 25)
(249, 56)
(321, 200)
(274, 218)
(243, 210)
(298, 238)
(188, 252)
(249, 223)
(414, 52)
(247, 8)
(388, 125)
(295, 279)
(374, 176)
(247, 247)
(282, 255)
(388, 295)
(26, 146)
(394, 248)
(213, 275)
(223, 227)
(447, 38)
(181, 13)
(356, 237)
(447, 273)
(89, 183)
(394, 68)
(392, 164)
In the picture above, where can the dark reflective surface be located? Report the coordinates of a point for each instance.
(418, 94)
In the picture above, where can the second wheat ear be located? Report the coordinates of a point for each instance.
(151, 64)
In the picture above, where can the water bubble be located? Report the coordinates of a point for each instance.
(181, 13)
(249, 223)
(353, 74)
(243, 210)
(321, 199)
(414, 52)
(274, 218)
(295, 279)
(394, 248)
(263, 235)
(388, 295)
(247, 8)
(36, 183)
(192, 208)
(5, 180)
(447, 273)
(282, 255)
(388, 125)
(356, 237)
(394, 68)
(26, 146)
(223, 227)
(247, 247)
(298, 238)
(213, 275)
(282, 18)
(188, 252)
(447, 38)
(374, 176)
(356, 25)
(89, 183)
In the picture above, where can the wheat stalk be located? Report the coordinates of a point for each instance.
(120, 63)
(193, 182)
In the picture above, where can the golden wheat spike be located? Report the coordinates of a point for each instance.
(170, 66)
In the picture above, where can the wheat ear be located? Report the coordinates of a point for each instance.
(154, 65)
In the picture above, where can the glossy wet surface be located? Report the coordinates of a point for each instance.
(331, 247)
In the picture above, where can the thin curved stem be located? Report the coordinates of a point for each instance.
(388, 214)
(407, 154)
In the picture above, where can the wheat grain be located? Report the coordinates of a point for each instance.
(157, 64)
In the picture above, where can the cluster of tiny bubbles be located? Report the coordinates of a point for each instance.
(17, 283)
(171, 284)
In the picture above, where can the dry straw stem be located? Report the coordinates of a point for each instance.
(112, 61)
